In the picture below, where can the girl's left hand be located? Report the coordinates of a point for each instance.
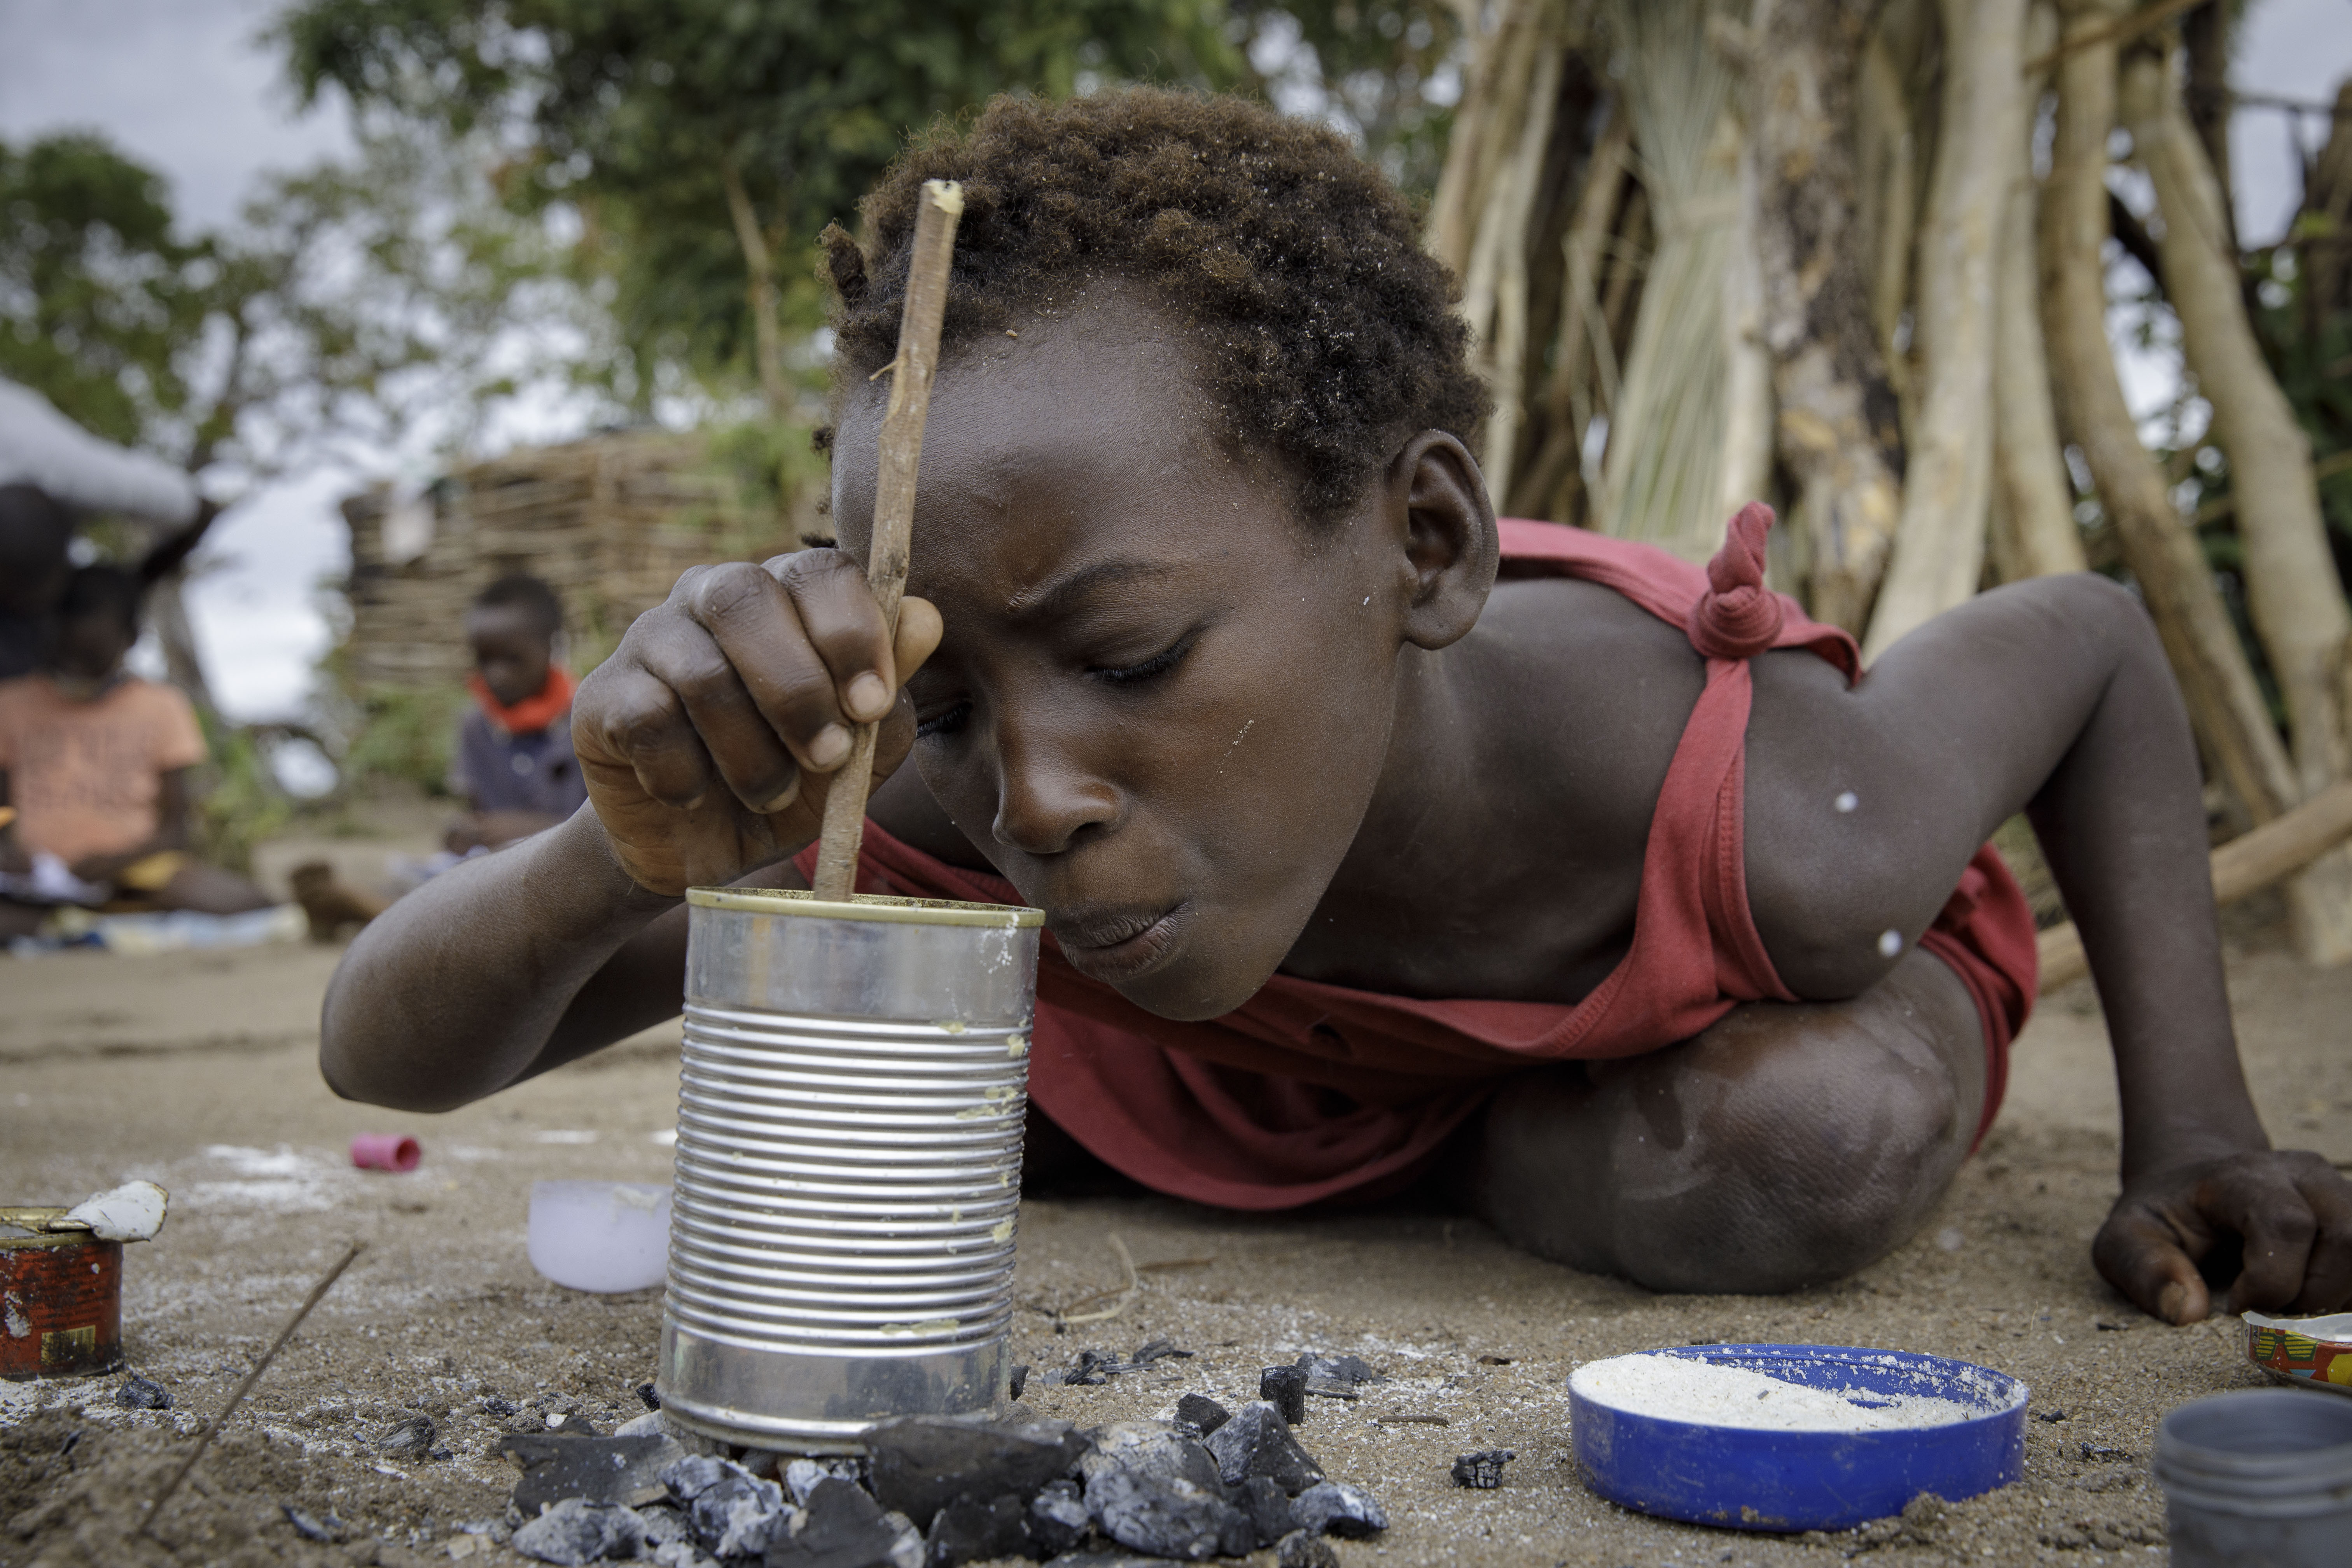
(2290, 1210)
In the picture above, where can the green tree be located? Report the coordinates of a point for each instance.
(706, 143)
(384, 303)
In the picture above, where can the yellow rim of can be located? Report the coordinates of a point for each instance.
(865, 907)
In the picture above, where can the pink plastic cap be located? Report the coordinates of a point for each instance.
(385, 1152)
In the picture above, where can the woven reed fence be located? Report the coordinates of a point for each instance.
(609, 523)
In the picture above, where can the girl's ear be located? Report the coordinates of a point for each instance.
(1451, 548)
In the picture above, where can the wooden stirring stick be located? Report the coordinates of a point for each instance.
(893, 508)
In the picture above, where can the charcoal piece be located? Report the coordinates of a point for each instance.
(1018, 1383)
(663, 1525)
(2049, 1416)
(410, 1440)
(1337, 1377)
(1155, 1448)
(573, 1532)
(844, 1528)
(1302, 1549)
(1058, 1520)
(139, 1392)
(921, 1463)
(969, 1531)
(1268, 1507)
(801, 1476)
(1257, 1442)
(2097, 1454)
(646, 1391)
(1335, 1508)
(556, 1466)
(1201, 1413)
(733, 1512)
(1150, 1509)
(1286, 1388)
(493, 1405)
(1094, 1367)
(311, 1527)
(1482, 1469)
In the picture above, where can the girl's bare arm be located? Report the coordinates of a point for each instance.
(704, 741)
(2052, 698)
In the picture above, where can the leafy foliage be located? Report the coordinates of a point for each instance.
(639, 113)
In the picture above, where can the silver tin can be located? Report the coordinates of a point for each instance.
(854, 1087)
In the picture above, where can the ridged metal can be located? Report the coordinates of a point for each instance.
(60, 1299)
(850, 1117)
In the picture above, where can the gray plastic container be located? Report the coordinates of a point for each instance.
(849, 1133)
(2261, 1478)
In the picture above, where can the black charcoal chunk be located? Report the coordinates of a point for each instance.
(1285, 1387)
(2097, 1454)
(1337, 1377)
(1482, 1469)
(1268, 1507)
(733, 1512)
(1301, 1549)
(1154, 1448)
(2049, 1416)
(921, 1463)
(556, 1466)
(311, 1527)
(139, 1393)
(844, 1528)
(652, 1400)
(493, 1405)
(410, 1440)
(1148, 1510)
(1058, 1520)
(1257, 1442)
(801, 1476)
(969, 1531)
(1202, 1414)
(573, 1532)
(1018, 1383)
(1335, 1508)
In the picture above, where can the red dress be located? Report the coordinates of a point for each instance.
(1309, 1091)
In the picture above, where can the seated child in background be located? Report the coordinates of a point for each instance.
(34, 531)
(95, 762)
(1376, 840)
(513, 765)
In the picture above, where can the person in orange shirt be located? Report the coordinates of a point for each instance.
(94, 769)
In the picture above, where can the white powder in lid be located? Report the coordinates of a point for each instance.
(1683, 1388)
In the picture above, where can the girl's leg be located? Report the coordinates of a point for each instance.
(1788, 1144)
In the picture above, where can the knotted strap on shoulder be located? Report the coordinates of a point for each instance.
(1737, 616)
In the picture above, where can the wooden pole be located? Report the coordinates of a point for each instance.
(893, 508)
(2247, 864)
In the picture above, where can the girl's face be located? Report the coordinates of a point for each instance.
(1163, 702)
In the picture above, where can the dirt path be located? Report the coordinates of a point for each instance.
(196, 1071)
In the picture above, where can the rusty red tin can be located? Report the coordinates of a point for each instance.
(60, 1299)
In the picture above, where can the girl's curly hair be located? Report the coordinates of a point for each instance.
(1329, 333)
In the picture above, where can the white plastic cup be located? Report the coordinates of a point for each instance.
(600, 1235)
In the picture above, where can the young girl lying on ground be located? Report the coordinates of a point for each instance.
(1375, 839)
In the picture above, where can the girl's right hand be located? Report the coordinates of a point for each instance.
(708, 740)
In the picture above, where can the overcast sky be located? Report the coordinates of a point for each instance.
(185, 87)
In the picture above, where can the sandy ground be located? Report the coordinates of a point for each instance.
(197, 1071)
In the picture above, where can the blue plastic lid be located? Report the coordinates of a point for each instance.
(1763, 1478)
